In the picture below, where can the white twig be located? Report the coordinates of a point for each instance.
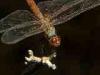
(44, 59)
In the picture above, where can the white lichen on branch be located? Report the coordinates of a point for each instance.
(44, 60)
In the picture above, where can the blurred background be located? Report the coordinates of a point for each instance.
(79, 53)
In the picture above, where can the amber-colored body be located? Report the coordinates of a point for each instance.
(49, 29)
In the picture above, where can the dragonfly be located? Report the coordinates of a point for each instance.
(43, 17)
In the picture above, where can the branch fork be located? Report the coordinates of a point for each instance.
(44, 60)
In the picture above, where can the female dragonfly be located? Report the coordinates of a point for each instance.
(43, 17)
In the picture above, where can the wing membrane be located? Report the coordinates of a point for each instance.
(20, 32)
(15, 18)
(50, 7)
(75, 10)
(63, 10)
(67, 11)
(22, 24)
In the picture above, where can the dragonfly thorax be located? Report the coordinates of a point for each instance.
(47, 26)
(50, 31)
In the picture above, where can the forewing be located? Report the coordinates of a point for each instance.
(20, 32)
(76, 9)
(49, 7)
(15, 18)
(63, 10)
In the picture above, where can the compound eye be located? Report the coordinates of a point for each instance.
(54, 40)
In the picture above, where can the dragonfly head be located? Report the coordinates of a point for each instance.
(55, 41)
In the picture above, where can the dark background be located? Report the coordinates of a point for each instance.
(79, 53)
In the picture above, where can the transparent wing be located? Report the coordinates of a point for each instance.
(20, 27)
(15, 18)
(20, 32)
(50, 7)
(78, 8)
(63, 10)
